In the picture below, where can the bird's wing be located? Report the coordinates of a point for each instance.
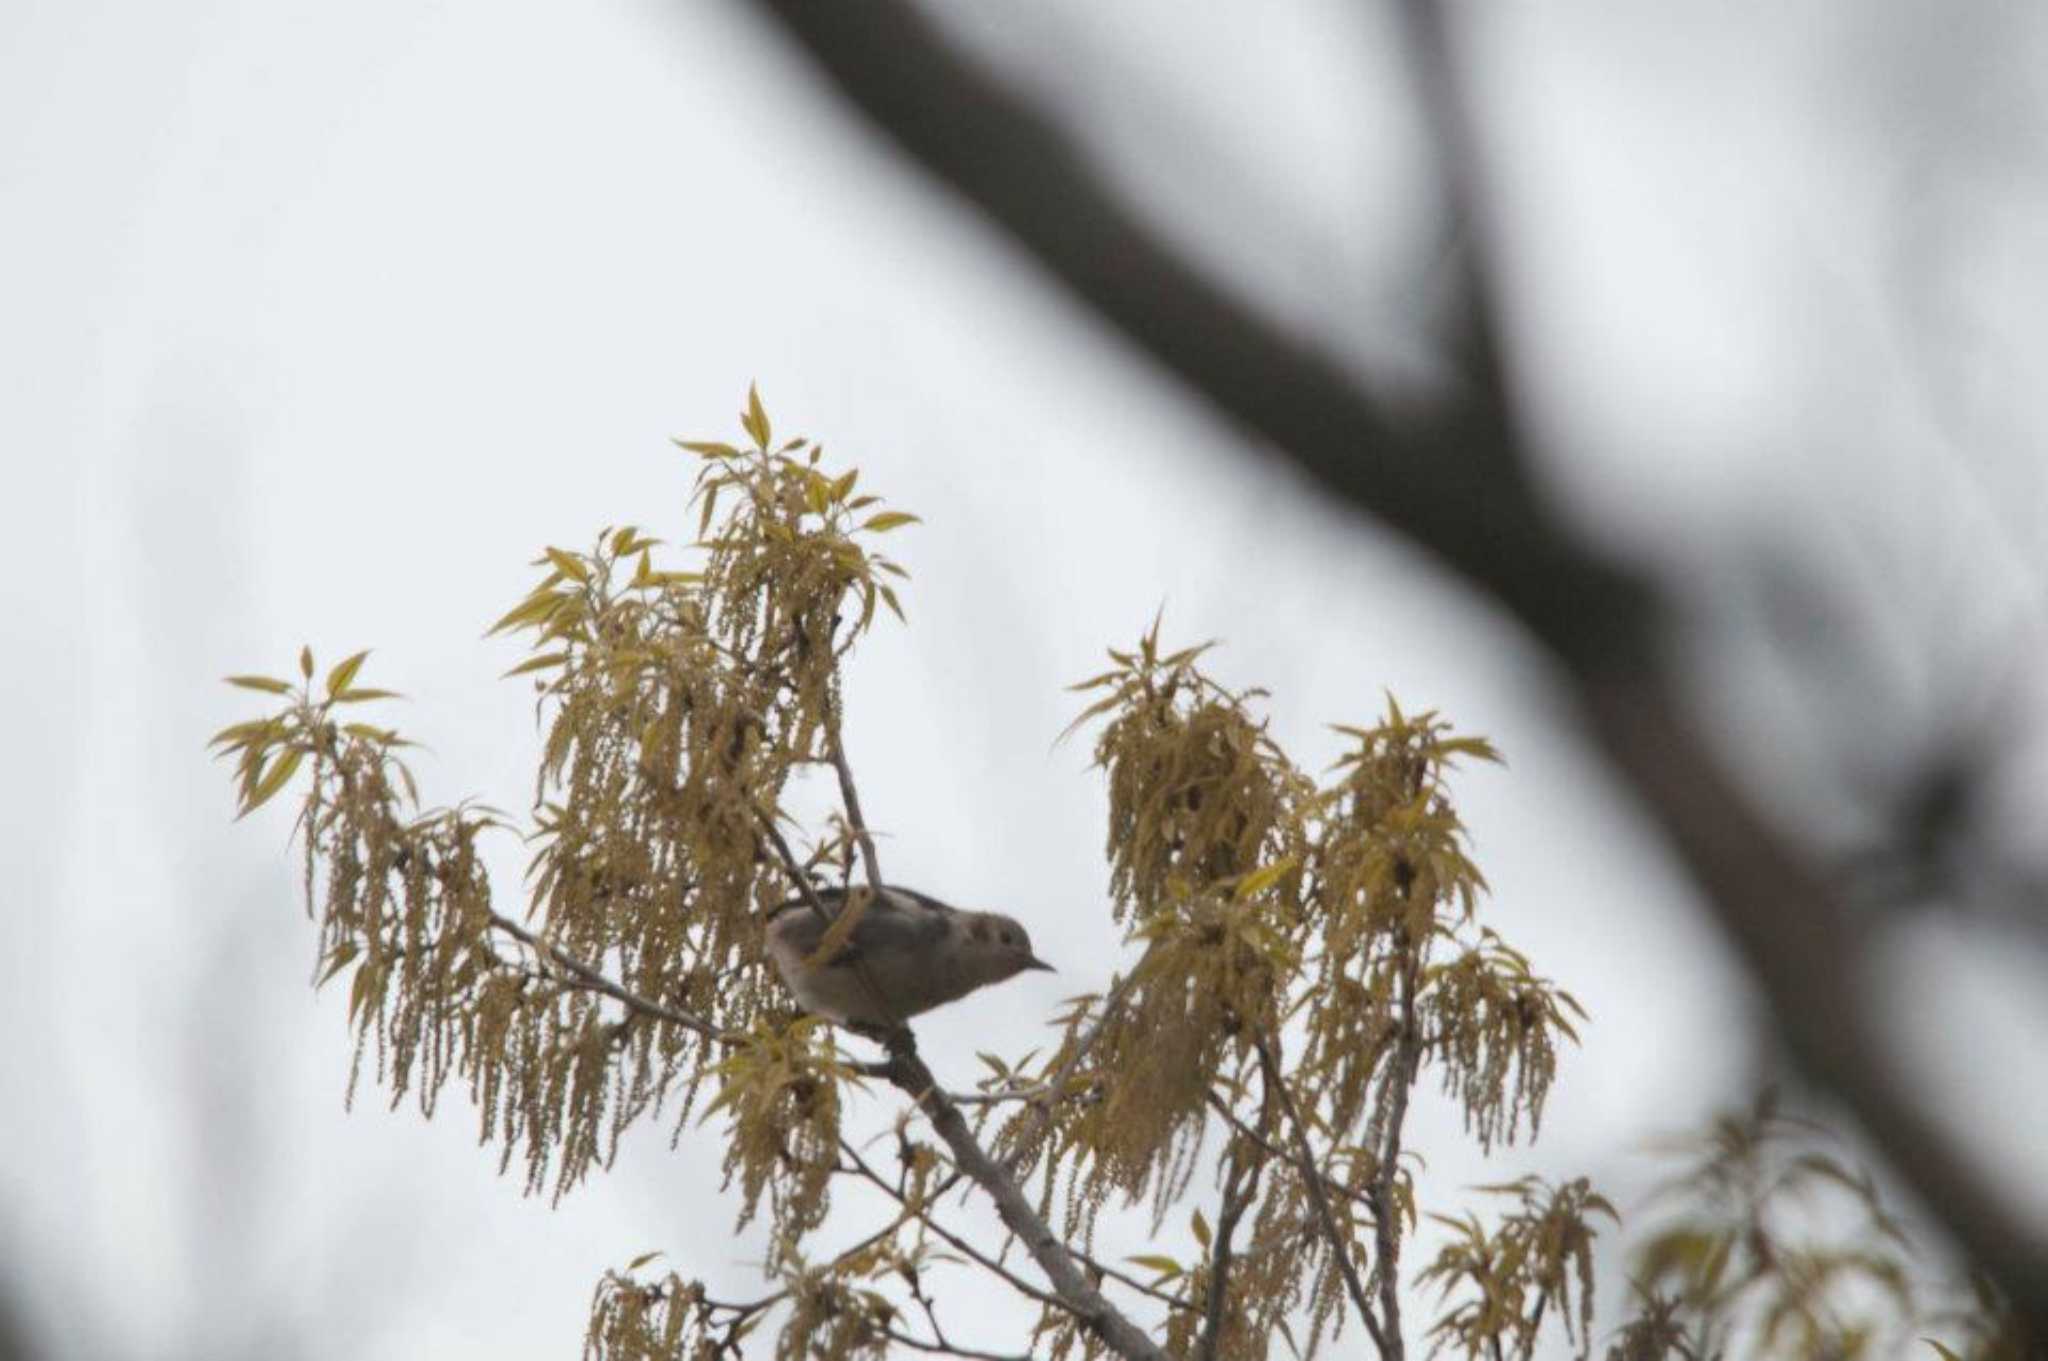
(913, 922)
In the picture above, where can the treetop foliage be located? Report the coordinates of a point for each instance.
(1303, 950)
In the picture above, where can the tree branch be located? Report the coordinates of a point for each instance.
(1444, 483)
(1287, 1155)
(591, 979)
(1055, 1087)
(922, 1213)
(1240, 1187)
(910, 1075)
(1340, 1246)
(1386, 1224)
(1440, 484)
(851, 798)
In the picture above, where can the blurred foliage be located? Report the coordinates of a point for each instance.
(1777, 1247)
(1304, 950)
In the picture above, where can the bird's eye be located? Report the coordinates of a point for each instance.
(1009, 939)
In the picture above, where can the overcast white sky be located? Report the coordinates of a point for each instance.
(317, 322)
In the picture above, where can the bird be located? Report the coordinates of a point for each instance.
(908, 953)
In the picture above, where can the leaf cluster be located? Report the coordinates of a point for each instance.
(1499, 1284)
(1306, 949)
(676, 707)
(1777, 1249)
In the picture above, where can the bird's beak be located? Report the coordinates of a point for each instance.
(1037, 963)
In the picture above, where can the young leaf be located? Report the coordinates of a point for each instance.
(263, 683)
(273, 780)
(360, 696)
(884, 521)
(344, 672)
(708, 448)
(755, 421)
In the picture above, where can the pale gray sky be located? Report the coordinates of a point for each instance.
(319, 321)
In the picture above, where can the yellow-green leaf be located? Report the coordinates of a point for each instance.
(540, 663)
(569, 565)
(344, 672)
(338, 961)
(360, 696)
(263, 683)
(1259, 880)
(281, 770)
(756, 419)
(884, 521)
(306, 662)
(708, 448)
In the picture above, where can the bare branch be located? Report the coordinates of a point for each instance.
(1441, 484)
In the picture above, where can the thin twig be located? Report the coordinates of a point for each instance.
(809, 893)
(851, 798)
(1240, 1187)
(592, 979)
(1306, 1170)
(922, 1212)
(1055, 1086)
(1124, 1278)
(945, 1348)
(1269, 1066)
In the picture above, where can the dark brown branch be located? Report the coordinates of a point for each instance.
(1340, 1245)
(1446, 484)
(1442, 485)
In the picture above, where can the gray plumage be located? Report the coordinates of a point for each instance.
(907, 954)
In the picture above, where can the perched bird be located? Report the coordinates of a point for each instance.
(907, 954)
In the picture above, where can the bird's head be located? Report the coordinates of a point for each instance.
(996, 947)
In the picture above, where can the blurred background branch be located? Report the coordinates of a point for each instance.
(1448, 477)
